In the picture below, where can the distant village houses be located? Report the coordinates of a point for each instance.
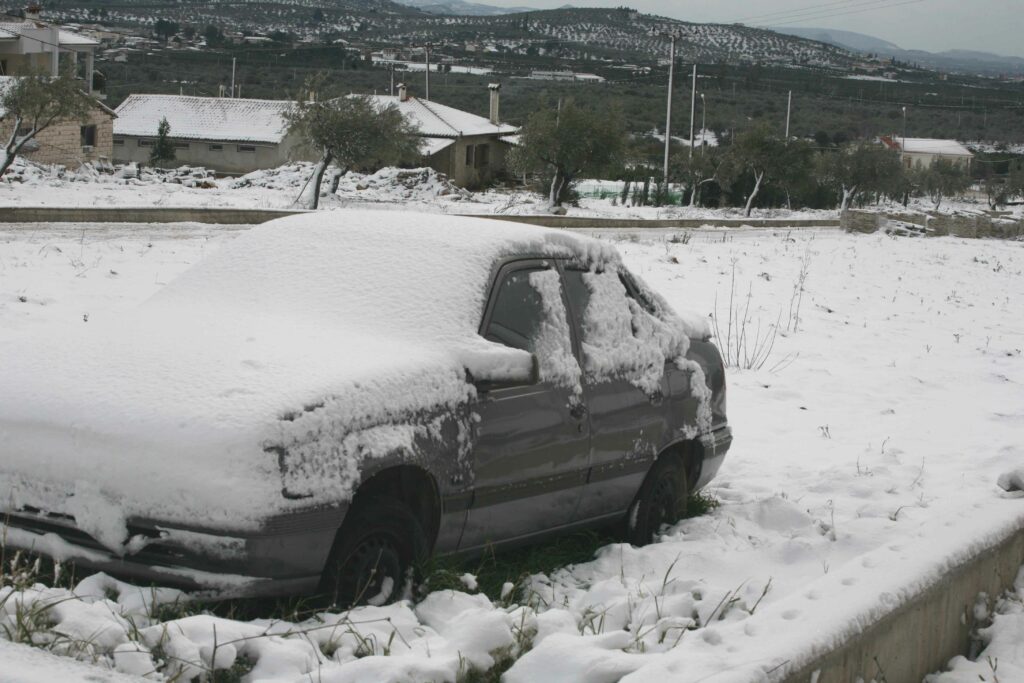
(237, 136)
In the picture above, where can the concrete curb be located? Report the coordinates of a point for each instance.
(141, 214)
(667, 223)
(231, 216)
(921, 636)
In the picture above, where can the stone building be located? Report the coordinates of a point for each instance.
(469, 149)
(69, 142)
(228, 135)
(923, 152)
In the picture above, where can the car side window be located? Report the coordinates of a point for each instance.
(620, 338)
(518, 311)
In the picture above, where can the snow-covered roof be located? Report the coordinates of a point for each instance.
(431, 146)
(931, 146)
(31, 30)
(438, 120)
(204, 118)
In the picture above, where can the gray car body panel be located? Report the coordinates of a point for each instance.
(536, 465)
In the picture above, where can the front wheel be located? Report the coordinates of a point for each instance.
(374, 554)
(661, 500)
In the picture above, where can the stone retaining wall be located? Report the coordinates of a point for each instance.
(988, 224)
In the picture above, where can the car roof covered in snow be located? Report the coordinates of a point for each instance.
(204, 118)
(346, 267)
(438, 120)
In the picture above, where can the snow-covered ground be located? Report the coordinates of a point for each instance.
(279, 188)
(867, 452)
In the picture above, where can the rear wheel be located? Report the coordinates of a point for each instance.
(374, 554)
(661, 500)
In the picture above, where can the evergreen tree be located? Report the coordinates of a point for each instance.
(163, 148)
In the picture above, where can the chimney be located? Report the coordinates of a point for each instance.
(403, 93)
(33, 11)
(495, 89)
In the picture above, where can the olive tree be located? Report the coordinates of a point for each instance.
(859, 168)
(566, 141)
(352, 133)
(31, 104)
(942, 179)
(758, 153)
(697, 171)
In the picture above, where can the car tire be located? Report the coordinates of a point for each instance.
(661, 500)
(375, 553)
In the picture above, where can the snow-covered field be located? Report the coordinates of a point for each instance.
(867, 452)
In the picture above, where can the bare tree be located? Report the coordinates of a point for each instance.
(859, 168)
(31, 104)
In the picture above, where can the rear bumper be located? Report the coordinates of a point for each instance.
(285, 557)
(715, 445)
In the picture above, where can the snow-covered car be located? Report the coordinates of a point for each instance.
(329, 398)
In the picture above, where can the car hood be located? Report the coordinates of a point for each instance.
(182, 419)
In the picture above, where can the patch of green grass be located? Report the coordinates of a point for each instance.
(700, 504)
(494, 569)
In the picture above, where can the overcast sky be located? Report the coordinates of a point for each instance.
(933, 25)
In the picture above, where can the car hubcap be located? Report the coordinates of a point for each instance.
(663, 503)
(372, 573)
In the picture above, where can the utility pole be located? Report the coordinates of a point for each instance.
(673, 36)
(789, 109)
(391, 69)
(904, 145)
(233, 77)
(703, 124)
(693, 108)
(426, 52)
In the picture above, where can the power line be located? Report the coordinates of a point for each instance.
(809, 8)
(845, 13)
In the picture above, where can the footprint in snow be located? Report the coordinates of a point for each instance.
(849, 581)
(791, 614)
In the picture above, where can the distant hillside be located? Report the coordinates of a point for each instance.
(859, 42)
(462, 8)
(961, 61)
(624, 34)
(569, 33)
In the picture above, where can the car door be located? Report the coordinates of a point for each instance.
(531, 443)
(624, 393)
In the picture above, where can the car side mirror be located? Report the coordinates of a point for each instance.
(501, 367)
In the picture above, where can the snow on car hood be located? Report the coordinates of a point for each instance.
(171, 412)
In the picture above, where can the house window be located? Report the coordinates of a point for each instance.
(88, 136)
(180, 145)
(483, 156)
(246, 148)
(216, 148)
(145, 143)
(470, 156)
(118, 142)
